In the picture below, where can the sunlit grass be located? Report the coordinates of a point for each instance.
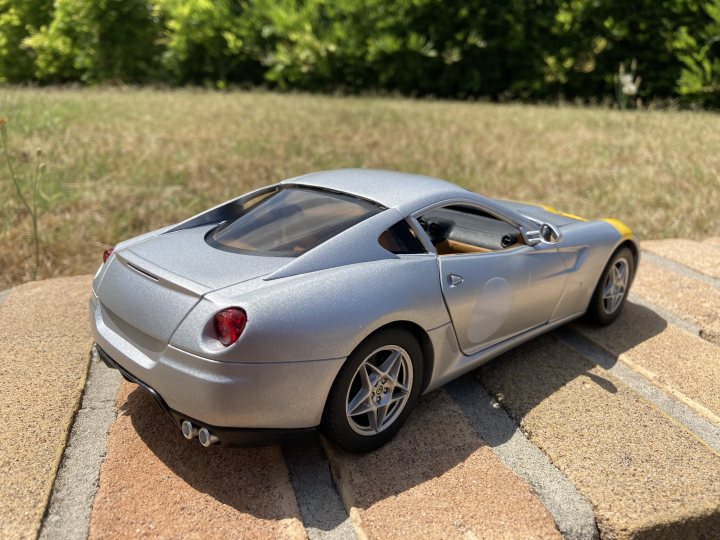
(120, 162)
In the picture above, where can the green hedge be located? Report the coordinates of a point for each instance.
(522, 49)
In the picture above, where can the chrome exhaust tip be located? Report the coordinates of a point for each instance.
(207, 438)
(188, 430)
(95, 355)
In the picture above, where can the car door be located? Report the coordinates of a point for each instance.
(499, 293)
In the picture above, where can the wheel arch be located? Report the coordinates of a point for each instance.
(632, 245)
(423, 340)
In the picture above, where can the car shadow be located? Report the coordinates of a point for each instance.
(245, 479)
(527, 375)
(437, 437)
(635, 325)
(451, 425)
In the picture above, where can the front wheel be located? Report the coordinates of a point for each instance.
(612, 288)
(374, 392)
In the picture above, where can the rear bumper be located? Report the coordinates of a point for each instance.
(227, 436)
(257, 396)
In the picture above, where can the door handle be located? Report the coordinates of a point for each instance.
(454, 280)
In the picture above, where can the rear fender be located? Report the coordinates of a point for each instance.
(321, 315)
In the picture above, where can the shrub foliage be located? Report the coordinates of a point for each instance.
(523, 49)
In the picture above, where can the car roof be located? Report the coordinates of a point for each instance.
(404, 192)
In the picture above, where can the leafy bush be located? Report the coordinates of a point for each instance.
(20, 19)
(526, 49)
(96, 40)
(594, 37)
(700, 54)
(205, 42)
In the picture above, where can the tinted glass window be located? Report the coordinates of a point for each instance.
(400, 239)
(292, 221)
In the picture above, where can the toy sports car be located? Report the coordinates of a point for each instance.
(333, 300)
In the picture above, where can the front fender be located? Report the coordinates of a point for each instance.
(586, 248)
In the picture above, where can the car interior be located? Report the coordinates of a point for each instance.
(455, 230)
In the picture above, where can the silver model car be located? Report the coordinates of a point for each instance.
(335, 299)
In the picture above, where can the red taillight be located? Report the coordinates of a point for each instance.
(229, 324)
(106, 254)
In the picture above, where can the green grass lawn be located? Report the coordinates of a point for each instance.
(121, 162)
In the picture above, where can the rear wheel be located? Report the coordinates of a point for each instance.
(612, 288)
(374, 392)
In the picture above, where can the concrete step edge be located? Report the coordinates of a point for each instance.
(679, 268)
(77, 480)
(637, 380)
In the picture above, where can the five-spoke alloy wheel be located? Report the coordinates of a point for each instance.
(374, 392)
(616, 281)
(612, 288)
(379, 390)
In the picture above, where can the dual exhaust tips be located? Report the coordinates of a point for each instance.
(191, 431)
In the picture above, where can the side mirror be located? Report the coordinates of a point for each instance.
(549, 234)
(546, 234)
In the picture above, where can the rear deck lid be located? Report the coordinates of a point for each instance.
(186, 254)
(153, 285)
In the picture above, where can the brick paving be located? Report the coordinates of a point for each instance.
(643, 469)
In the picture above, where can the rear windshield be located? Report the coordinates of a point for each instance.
(291, 221)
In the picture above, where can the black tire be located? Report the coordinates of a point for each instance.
(598, 312)
(335, 423)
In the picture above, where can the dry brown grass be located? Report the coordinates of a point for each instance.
(120, 162)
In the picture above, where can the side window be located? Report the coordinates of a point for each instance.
(400, 239)
(465, 229)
